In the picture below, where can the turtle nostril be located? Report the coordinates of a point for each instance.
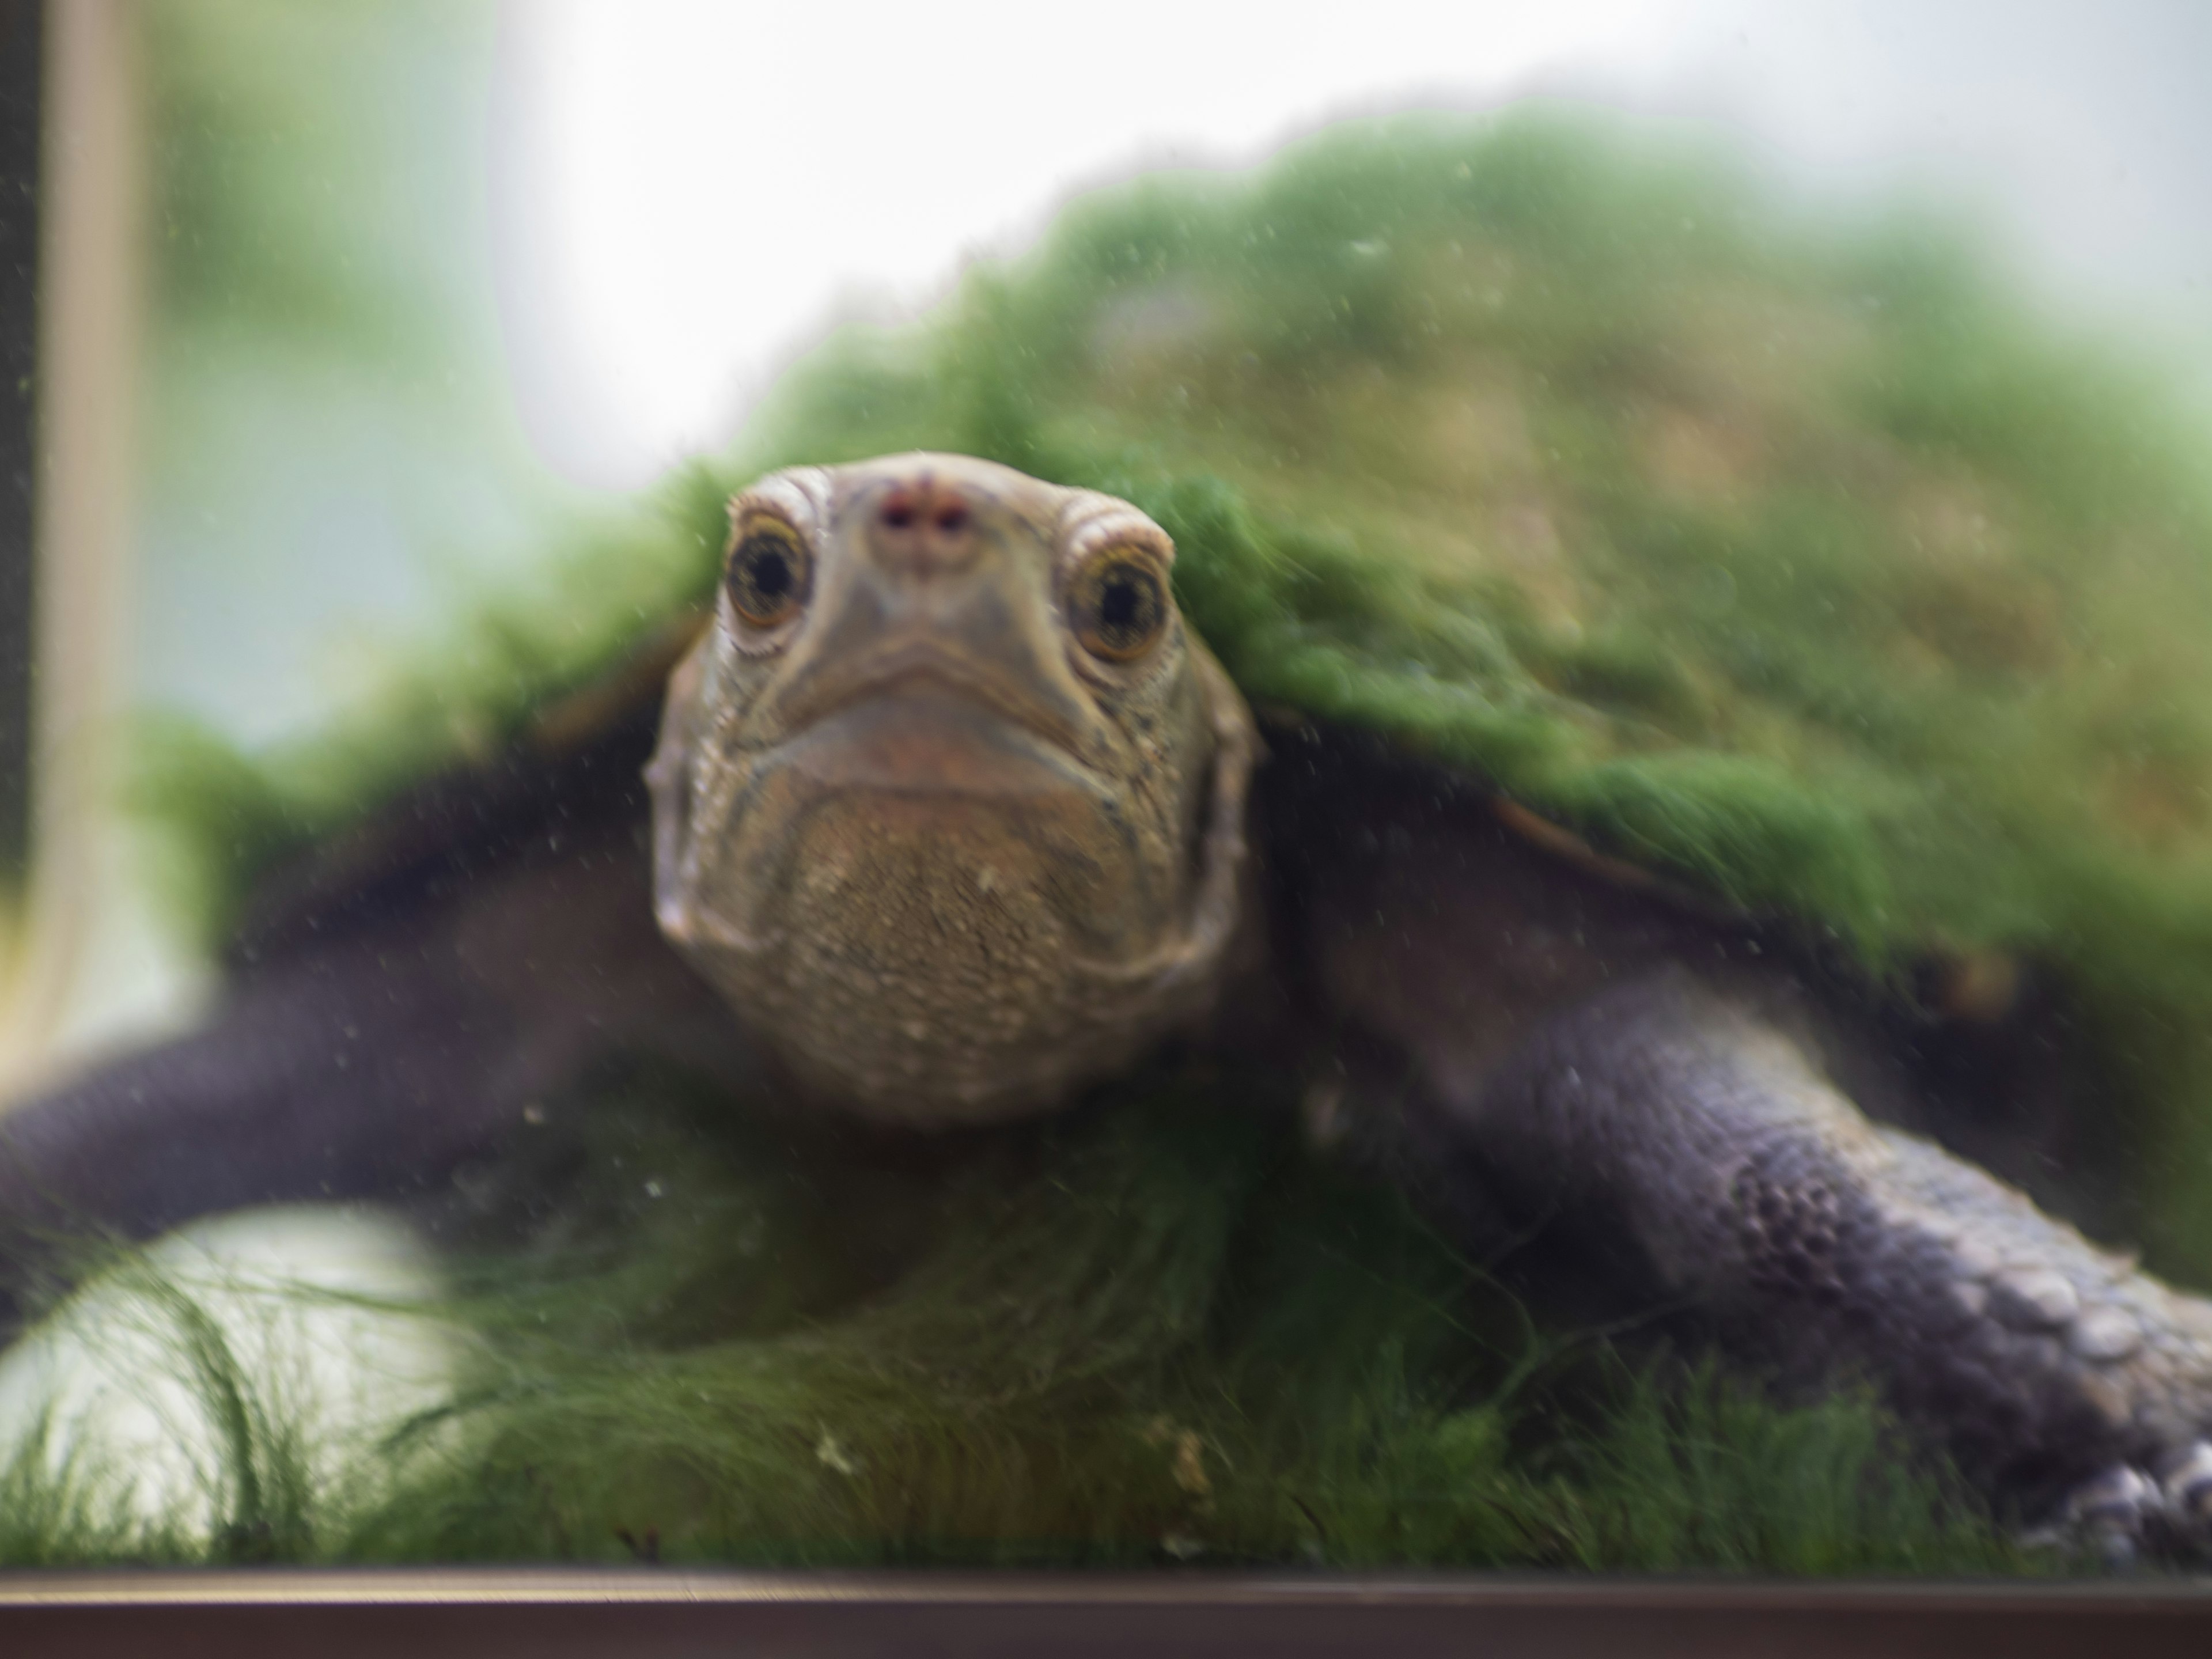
(925, 527)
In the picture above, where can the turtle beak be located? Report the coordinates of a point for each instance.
(934, 585)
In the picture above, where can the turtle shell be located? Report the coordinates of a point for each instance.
(1802, 565)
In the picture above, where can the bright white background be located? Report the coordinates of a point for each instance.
(682, 191)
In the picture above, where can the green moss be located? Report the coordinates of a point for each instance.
(1174, 1336)
(1157, 1331)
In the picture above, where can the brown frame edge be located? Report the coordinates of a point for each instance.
(554, 1611)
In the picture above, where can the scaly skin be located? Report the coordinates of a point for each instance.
(1668, 1113)
(1664, 1090)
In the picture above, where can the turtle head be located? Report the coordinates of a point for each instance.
(948, 802)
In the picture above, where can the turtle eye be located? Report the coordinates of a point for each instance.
(770, 573)
(1118, 603)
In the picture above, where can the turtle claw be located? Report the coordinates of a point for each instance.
(2125, 1514)
(2114, 1513)
(2185, 1486)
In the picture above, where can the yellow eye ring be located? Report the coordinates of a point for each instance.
(1117, 604)
(769, 574)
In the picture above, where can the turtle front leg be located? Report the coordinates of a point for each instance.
(1664, 1114)
(372, 1062)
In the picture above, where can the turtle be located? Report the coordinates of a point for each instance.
(951, 815)
(944, 815)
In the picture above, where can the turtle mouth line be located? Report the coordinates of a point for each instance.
(914, 673)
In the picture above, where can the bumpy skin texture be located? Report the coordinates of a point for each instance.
(1666, 1111)
(946, 860)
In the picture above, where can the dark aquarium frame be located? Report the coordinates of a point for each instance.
(646, 1612)
(23, 47)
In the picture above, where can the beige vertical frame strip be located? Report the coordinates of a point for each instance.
(91, 290)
